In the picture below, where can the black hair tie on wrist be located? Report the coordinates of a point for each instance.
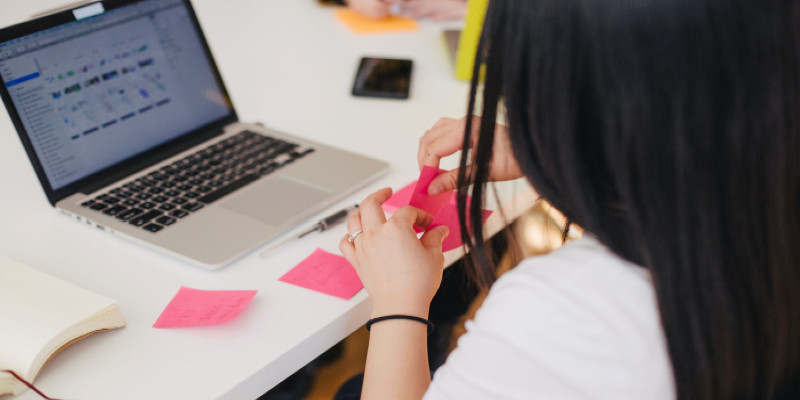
(400, 316)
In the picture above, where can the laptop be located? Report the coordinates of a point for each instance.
(126, 120)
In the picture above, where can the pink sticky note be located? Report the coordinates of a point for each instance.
(448, 216)
(325, 273)
(192, 307)
(399, 199)
(420, 198)
(442, 207)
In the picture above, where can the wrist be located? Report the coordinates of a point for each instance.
(409, 320)
(416, 310)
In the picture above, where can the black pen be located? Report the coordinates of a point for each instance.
(321, 226)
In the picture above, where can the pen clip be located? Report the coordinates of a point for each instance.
(334, 219)
(321, 226)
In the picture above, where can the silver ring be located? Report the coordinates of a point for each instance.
(353, 235)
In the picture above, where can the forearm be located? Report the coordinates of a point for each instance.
(397, 361)
(401, 272)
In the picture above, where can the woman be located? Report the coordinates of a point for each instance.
(670, 131)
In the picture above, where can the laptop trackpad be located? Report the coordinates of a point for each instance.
(275, 201)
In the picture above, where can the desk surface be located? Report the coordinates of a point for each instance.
(290, 65)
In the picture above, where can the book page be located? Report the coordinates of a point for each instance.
(35, 308)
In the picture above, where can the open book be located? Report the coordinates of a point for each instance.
(39, 316)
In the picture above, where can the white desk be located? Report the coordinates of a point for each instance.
(289, 64)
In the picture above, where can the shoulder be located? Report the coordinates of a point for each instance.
(577, 323)
(583, 281)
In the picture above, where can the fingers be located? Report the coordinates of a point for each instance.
(354, 222)
(345, 246)
(442, 140)
(439, 129)
(445, 138)
(421, 9)
(370, 8)
(434, 237)
(411, 216)
(348, 249)
(446, 127)
(443, 121)
(437, 9)
(442, 147)
(444, 182)
(370, 211)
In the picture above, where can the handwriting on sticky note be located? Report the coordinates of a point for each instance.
(362, 25)
(192, 307)
(325, 273)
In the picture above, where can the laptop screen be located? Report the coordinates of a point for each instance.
(110, 85)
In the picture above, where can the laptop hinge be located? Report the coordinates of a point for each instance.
(64, 8)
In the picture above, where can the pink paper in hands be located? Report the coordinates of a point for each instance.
(442, 207)
(399, 199)
(420, 197)
(449, 216)
(192, 307)
(325, 273)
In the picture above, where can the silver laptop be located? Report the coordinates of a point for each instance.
(128, 125)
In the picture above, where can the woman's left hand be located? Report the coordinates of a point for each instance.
(400, 272)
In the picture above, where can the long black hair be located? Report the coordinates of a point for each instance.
(670, 129)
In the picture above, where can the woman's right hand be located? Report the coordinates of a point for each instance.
(447, 136)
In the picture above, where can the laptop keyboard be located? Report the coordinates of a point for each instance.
(163, 197)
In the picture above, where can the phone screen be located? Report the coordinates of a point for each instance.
(383, 77)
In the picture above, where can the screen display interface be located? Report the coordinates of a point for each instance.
(97, 91)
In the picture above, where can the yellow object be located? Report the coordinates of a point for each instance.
(362, 25)
(468, 42)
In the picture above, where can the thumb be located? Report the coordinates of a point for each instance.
(444, 182)
(435, 237)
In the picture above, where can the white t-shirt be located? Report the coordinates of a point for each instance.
(578, 323)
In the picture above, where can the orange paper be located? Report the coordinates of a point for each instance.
(362, 25)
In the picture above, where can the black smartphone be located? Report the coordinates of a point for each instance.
(332, 2)
(383, 77)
